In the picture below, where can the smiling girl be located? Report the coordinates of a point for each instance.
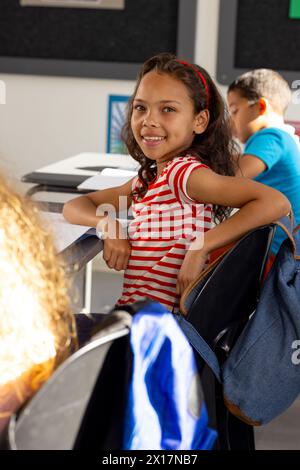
(177, 129)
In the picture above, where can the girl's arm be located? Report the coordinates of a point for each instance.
(82, 210)
(259, 205)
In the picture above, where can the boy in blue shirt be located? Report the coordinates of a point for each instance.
(257, 102)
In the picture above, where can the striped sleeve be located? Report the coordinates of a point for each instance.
(177, 177)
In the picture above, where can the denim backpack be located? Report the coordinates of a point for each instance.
(261, 376)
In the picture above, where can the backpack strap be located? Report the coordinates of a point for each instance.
(198, 343)
(296, 229)
(290, 233)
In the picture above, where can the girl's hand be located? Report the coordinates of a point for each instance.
(117, 248)
(192, 266)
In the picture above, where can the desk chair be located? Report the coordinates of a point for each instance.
(82, 404)
(219, 306)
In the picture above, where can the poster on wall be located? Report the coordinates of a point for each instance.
(111, 4)
(117, 108)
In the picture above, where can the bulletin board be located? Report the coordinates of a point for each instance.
(258, 34)
(87, 42)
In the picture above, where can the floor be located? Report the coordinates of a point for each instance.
(281, 434)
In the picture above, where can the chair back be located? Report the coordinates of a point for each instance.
(59, 416)
(220, 303)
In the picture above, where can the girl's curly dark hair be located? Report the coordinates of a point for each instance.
(215, 147)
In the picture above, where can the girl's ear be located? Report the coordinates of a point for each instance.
(201, 122)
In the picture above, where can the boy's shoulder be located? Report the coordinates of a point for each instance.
(267, 131)
(282, 135)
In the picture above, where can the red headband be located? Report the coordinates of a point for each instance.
(203, 80)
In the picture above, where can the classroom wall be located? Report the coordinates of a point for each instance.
(46, 119)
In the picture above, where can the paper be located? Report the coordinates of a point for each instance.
(64, 233)
(103, 182)
(71, 165)
(118, 172)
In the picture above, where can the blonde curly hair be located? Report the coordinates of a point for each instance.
(37, 327)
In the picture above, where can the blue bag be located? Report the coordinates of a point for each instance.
(261, 377)
(165, 408)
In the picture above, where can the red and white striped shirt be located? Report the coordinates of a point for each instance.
(166, 221)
